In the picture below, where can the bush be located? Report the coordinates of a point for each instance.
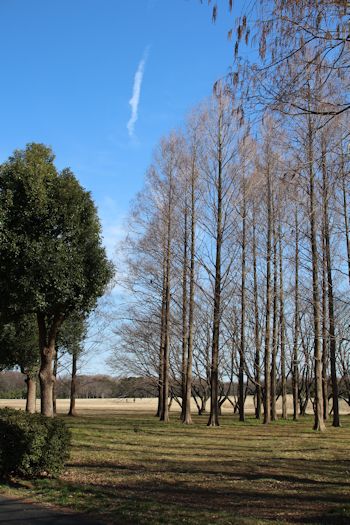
(32, 445)
(19, 393)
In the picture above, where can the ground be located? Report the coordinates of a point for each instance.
(127, 467)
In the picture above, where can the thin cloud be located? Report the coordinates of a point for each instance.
(136, 92)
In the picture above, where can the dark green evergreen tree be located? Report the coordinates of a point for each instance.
(52, 262)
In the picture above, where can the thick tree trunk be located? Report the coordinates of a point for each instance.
(295, 365)
(73, 384)
(31, 394)
(47, 339)
(47, 380)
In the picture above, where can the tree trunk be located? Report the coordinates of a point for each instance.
(295, 364)
(184, 313)
(267, 393)
(164, 416)
(282, 328)
(274, 327)
(324, 323)
(55, 365)
(214, 372)
(73, 384)
(47, 340)
(243, 307)
(161, 344)
(332, 338)
(47, 380)
(188, 418)
(319, 421)
(256, 328)
(31, 394)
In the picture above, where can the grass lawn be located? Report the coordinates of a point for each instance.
(128, 468)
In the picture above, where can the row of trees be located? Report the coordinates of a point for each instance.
(238, 264)
(238, 260)
(53, 267)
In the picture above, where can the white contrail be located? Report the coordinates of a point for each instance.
(136, 92)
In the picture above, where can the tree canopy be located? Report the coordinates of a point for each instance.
(52, 258)
(19, 344)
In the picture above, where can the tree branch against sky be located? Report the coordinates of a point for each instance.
(289, 41)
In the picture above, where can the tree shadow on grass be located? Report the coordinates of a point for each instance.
(294, 491)
(145, 502)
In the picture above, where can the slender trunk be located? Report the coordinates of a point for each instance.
(161, 344)
(188, 418)
(47, 339)
(164, 416)
(295, 367)
(319, 421)
(282, 328)
(256, 328)
(31, 394)
(73, 385)
(332, 338)
(55, 366)
(184, 314)
(324, 322)
(267, 355)
(274, 328)
(214, 372)
(243, 307)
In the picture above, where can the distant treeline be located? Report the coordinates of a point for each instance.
(12, 386)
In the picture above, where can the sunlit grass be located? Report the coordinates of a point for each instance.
(130, 468)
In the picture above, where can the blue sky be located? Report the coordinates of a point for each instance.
(68, 70)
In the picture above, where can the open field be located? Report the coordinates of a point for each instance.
(128, 468)
(146, 405)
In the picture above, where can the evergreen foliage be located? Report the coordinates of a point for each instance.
(32, 445)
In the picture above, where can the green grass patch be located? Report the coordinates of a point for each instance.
(132, 469)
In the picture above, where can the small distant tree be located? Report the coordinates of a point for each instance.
(52, 259)
(70, 339)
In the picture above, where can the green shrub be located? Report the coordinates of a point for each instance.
(19, 393)
(32, 445)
